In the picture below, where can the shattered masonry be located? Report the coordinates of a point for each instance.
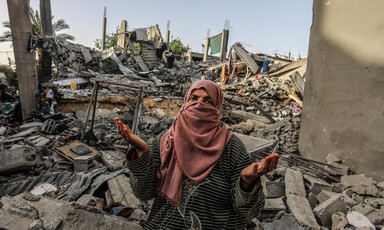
(46, 183)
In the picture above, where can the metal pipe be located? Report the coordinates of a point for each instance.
(88, 112)
(94, 106)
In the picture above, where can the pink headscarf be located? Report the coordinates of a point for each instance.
(193, 144)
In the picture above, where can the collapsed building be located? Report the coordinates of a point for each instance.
(65, 167)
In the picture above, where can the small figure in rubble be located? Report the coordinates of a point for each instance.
(199, 173)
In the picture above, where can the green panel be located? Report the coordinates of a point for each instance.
(215, 43)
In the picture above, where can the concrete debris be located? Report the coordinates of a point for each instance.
(339, 221)
(87, 178)
(47, 213)
(325, 210)
(358, 220)
(285, 222)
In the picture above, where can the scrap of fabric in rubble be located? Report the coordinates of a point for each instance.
(215, 43)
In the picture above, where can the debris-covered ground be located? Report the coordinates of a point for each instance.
(59, 172)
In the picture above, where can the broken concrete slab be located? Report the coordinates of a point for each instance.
(20, 213)
(243, 115)
(366, 189)
(254, 144)
(31, 125)
(325, 195)
(18, 160)
(121, 191)
(325, 210)
(83, 163)
(297, 201)
(90, 200)
(375, 202)
(300, 208)
(352, 180)
(339, 221)
(317, 185)
(25, 133)
(275, 189)
(312, 200)
(87, 56)
(294, 183)
(363, 208)
(113, 159)
(376, 216)
(274, 204)
(380, 185)
(358, 220)
(333, 157)
(285, 222)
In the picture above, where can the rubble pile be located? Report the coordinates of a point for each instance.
(273, 95)
(303, 195)
(65, 166)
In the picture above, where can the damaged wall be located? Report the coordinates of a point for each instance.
(343, 111)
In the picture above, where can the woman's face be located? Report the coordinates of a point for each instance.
(200, 95)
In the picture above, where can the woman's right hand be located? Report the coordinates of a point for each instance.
(140, 146)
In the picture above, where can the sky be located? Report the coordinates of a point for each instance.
(262, 26)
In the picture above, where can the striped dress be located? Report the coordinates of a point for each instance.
(216, 203)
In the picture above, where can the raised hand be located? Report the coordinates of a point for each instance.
(255, 170)
(140, 146)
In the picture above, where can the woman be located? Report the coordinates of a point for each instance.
(199, 173)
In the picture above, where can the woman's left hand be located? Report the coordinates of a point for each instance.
(255, 170)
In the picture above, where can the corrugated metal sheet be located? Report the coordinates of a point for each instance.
(72, 183)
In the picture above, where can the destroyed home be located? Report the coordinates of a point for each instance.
(297, 141)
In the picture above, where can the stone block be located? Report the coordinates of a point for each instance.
(325, 210)
(348, 192)
(30, 125)
(338, 221)
(285, 222)
(300, 208)
(18, 159)
(357, 220)
(352, 180)
(18, 213)
(274, 204)
(312, 199)
(87, 56)
(113, 159)
(275, 189)
(366, 189)
(294, 183)
(83, 163)
(325, 195)
(380, 185)
(244, 116)
(317, 185)
(357, 198)
(375, 202)
(363, 208)
(376, 216)
(333, 157)
(121, 191)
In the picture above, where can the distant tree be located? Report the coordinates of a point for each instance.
(177, 47)
(57, 26)
(110, 41)
(10, 75)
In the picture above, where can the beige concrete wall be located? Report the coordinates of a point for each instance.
(344, 93)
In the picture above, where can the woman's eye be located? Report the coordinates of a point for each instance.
(209, 102)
